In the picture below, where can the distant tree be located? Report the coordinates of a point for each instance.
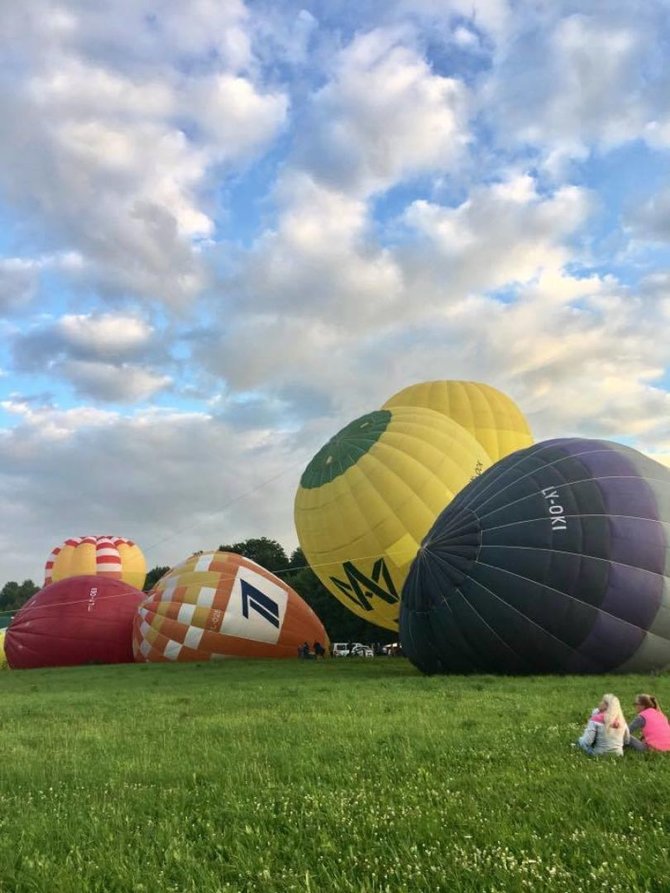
(13, 595)
(266, 552)
(153, 576)
(341, 624)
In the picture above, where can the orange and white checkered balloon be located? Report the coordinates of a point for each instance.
(218, 605)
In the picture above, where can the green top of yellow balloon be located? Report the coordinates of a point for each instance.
(345, 449)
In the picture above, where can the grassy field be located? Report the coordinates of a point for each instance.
(346, 775)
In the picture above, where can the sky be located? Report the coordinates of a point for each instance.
(229, 229)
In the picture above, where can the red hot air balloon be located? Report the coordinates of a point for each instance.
(80, 620)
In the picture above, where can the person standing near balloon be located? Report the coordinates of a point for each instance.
(606, 731)
(652, 723)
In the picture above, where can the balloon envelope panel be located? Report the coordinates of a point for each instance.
(220, 604)
(554, 560)
(369, 496)
(108, 556)
(79, 620)
(493, 418)
(3, 656)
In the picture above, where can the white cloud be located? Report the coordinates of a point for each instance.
(18, 283)
(657, 132)
(501, 234)
(570, 81)
(138, 34)
(321, 262)
(411, 195)
(464, 37)
(383, 116)
(579, 357)
(110, 155)
(322, 259)
(288, 36)
(235, 118)
(45, 424)
(19, 276)
(173, 482)
(651, 221)
(490, 16)
(104, 335)
(279, 353)
(124, 383)
(558, 342)
(98, 355)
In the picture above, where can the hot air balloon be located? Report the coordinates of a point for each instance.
(369, 496)
(555, 560)
(219, 605)
(3, 656)
(79, 620)
(490, 416)
(110, 556)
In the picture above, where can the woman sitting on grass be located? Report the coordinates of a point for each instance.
(606, 731)
(652, 723)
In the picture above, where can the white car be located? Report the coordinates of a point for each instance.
(352, 649)
(362, 651)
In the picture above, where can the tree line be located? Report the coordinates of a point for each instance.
(341, 624)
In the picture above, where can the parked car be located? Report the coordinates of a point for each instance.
(362, 651)
(351, 649)
(340, 649)
(392, 650)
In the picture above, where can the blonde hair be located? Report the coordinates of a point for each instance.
(647, 701)
(613, 717)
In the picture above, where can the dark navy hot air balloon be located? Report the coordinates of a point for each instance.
(555, 560)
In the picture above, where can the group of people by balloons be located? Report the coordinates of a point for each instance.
(608, 732)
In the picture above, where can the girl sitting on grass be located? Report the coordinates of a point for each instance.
(652, 723)
(606, 731)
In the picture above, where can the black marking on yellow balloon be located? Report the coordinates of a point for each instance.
(479, 467)
(361, 588)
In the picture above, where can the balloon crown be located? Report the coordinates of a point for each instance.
(345, 449)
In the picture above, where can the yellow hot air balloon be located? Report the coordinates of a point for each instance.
(488, 414)
(369, 496)
(108, 556)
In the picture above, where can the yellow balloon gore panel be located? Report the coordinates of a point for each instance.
(369, 496)
(3, 657)
(109, 556)
(490, 416)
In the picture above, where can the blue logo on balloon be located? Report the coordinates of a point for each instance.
(255, 600)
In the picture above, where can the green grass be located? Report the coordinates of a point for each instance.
(346, 775)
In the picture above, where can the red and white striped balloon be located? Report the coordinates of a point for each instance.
(113, 557)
